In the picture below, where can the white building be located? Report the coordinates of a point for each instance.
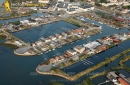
(47, 40)
(79, 49)
(52, 37)
(60, 0)
(73, 7)
(43, 1)
(72, 52)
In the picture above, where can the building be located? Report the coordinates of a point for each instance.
(62, 6)
(47, 40)
(60, 0)
(79, 30)
(79, 49)
(57, 58)
(43, 1)
(58, 36)
(72, 52)
(73, 7)
(38, 43)
(52, 60)
(64, 34)
(122, 81)
(101, 48)
(52, 37)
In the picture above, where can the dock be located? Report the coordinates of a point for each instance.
(107, 81)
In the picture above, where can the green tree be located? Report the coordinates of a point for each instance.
(0, 25)
(71, 0)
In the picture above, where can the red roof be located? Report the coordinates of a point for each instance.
(122, 81)
(101, 48)
(115, 40)
(85, 52)
(79, 30)
(119, 19)
(52, 60)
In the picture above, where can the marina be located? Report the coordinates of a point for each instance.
(21, 62)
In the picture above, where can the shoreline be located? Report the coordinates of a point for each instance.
(54, 74)
(82, 73)
(24, 54)
(98, 31)
(11, 17)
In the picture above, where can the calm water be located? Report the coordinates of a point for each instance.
(35, 33)
(17, 70)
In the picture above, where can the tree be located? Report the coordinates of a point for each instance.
(0, 25)
(71, 0)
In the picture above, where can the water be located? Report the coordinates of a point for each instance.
(89, 62)
(21, 18)
(36, 33)
(17, 70)
(127, 63)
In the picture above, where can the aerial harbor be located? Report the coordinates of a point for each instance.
(65, 42)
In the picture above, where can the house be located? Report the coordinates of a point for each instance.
(92, 45)
(64, 34)
(122, 81)
(18, 43)
(70, 32)
(115, 40)
(128, 34)
(75, 58)
(52, 60)
(47, 40)
(79, 30)
(57, 58)
(58, 36)
(62, 6)
(113, 74)
(22, 11)
(61, 58)
(68, 54)
(79, 49)
(72, 52)
(38, 43)
(60, 0)
(101, 48)
(9, 27)
(52, 37)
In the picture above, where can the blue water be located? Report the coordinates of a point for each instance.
(127, 63)
(36, 33)
(17, 70)
(82, 65)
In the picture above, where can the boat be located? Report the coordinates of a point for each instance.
(39, 53)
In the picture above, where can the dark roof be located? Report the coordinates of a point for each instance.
(70, 10)
(85, 6)
(62, 5)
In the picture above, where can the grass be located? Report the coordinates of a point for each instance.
(10, 46)
(2, 37)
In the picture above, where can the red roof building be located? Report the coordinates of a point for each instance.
(119, 19)
(79, 30)
(115, 40)
(52, 60)
(101, 48)
(57, 58)
(122, 81)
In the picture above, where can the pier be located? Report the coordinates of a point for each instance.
(107, 81)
